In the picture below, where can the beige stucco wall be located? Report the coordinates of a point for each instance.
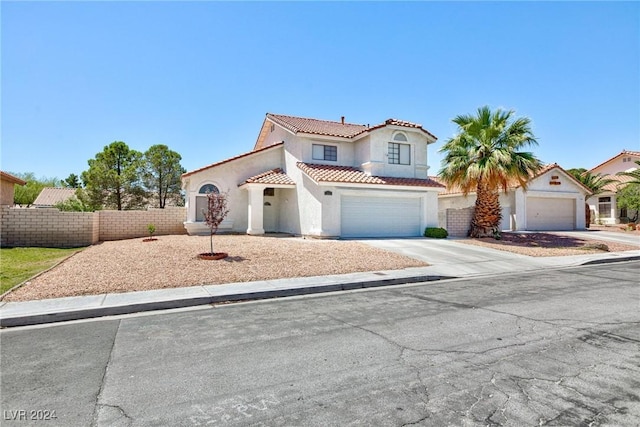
(226, 177)
(620, 164)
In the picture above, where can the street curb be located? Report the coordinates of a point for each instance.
(63, 316)
(611, 260)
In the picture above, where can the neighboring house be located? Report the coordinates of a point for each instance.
(323, 179)
(603, 206)
(7, 183)
(50, 196)
(554, 200)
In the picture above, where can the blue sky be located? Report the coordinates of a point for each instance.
(200, 76)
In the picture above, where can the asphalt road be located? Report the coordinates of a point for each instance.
(548, 348)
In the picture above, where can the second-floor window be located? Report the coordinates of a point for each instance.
(399, 154)
(325, 152)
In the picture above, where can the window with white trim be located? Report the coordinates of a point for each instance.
(399, 154)
(604, 207)
(202, 203)
(325, 152)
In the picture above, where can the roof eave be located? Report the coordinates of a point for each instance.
(233, 159)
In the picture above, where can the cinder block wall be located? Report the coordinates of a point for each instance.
(52, 228)
(118, 225)
(459, 221)
(47, 228)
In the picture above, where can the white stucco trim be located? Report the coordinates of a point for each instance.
(247, 185)
(381, 187)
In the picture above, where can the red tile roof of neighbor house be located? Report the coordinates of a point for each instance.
(515, 184)
(619, 179)
(339, 129)
(49, 196)
(350, 175)
(250, 153)
(272, 177)
(13, 179)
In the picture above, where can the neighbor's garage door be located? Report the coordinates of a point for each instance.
(380, 216)
(551, 214)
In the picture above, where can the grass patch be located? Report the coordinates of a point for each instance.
(19, 264)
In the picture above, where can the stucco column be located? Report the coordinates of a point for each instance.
(255, 217)
(521, 210)
(429, 210)
(580, 213)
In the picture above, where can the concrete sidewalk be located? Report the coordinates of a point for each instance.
(469, 261)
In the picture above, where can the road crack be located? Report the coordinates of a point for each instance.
(97, 405)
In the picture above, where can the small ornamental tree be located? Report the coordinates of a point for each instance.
(629, 198)
(216, 213)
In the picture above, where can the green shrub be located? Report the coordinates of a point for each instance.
(435, 232)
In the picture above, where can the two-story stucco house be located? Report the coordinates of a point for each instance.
(604, 208)
(323, 179)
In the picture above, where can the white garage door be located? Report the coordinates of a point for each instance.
(380, 217)
(551, 214)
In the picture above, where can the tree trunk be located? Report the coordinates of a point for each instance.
(587, 215)
(487, 213)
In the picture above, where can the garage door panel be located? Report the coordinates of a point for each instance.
(549, 214)
(380, 216)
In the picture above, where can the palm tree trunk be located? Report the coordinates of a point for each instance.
(487, 213)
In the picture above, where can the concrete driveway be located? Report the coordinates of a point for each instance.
(451, 257)
(610, 236)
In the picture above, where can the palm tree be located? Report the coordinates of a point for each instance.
(483, 157)
(595, 183)
(634, 174)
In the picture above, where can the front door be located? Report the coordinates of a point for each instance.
(269, 219)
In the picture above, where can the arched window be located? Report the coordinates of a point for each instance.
(399, 152)
(201, 199)
(400, 137)
(209, 188)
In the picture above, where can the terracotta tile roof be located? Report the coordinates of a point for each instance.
(273, 177)
(619, 179)
(347, 174)
(331, 128)
(623, 153)
(278, 144)
(403, 123)
(13, 179)
(317, 127)
(49, 196)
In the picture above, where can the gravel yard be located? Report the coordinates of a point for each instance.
(171, 261)
(547, 244)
